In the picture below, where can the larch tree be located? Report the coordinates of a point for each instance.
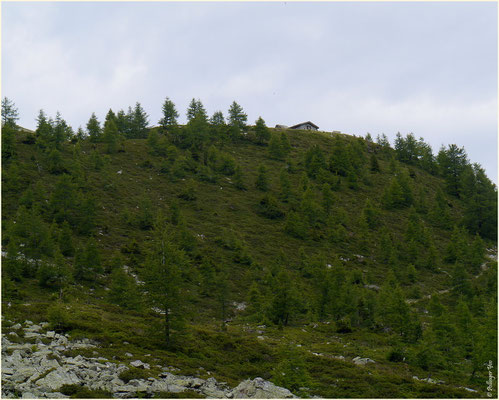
(164, 264)
(237, 117)
(94, 129)
(169, 115)
(262, 133)
(9, 113)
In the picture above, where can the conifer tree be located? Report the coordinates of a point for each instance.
(94, 130)
(327, 199)
(110, 136)
(237, 118)
(63, 200)
(43, 130)
(295, 225)
(164, 264)
(217, 119)
(370, 215)
(285, 185)
(123, 290)
(452, 162)
(285, 145)
(275, 149)
(65, 241)
(12, 264)
(262, 180)
(374, 165)
(284, 301)
(61, 131)
(262, 133)
(169, 115)
(239, 179)
(255, 303)
(139, 122)
(10, 113)
(8, 142)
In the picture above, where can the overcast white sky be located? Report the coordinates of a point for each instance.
(426, 68)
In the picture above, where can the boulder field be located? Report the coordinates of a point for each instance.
(40, 369)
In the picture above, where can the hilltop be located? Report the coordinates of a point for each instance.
(328, 264)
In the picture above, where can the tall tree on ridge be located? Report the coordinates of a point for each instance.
(170, 115)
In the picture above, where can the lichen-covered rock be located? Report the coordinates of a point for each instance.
(55, 379)
(258, 388)
(362, 361)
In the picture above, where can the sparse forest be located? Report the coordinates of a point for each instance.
(251, 251)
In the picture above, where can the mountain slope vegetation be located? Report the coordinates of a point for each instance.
(247, 251)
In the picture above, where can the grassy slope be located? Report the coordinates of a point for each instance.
(236, 354)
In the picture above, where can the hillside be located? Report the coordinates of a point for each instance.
(331, 265)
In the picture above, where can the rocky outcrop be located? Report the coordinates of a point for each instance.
(259, 389)
(38, 370)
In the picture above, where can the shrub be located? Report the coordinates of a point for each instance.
(269, 208)
(59, 318)
(344, 325)
(134, 373)
(81, 392)
(396, 355)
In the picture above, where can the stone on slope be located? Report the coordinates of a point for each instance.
(258, 388)
(362, 361)
(55, 379)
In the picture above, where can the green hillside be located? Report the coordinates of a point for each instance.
(278, 253)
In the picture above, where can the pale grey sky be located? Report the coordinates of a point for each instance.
(426, 68)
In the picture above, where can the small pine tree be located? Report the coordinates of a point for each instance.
(123, 290)
(285, 145)
(262, 133)
(110, 136)
(262, 180)
(164, 263)
(374, 165)
(94, 130)
(285, 190)
(275, 149)
(65, 241)
(239, 179)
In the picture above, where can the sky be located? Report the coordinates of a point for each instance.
(424, 68)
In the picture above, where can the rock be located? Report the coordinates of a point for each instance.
(259, 389)
(129, 354)
(260, 338)
(56, 395)
(16, 326)
(49, 363)
(139, 385)
(63, 340)
(50, 334)
(6, 372)
(468, 389)
(22, 374)
(210, 389)
(55, 379)
(362, 361)
(139, 364)
(33, 328)
(159, 386)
